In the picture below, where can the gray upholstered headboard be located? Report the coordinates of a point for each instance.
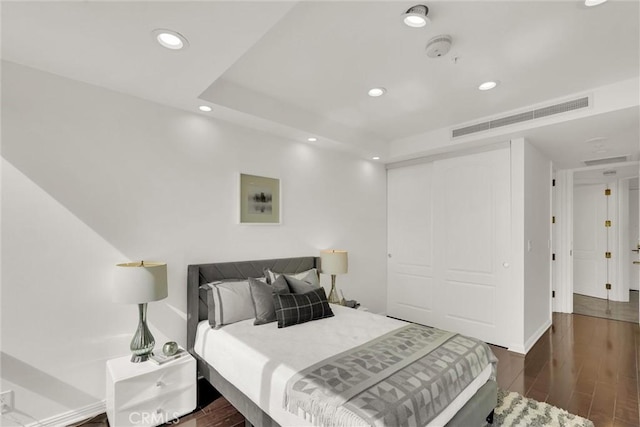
(199, 274)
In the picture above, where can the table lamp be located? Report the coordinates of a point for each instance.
(334, 262)
(139, 283)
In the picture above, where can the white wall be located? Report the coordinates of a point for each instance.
(516, 297)
(92, 177)
(531, 236)
(621, 226)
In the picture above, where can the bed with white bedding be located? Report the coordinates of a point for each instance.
(258, 367)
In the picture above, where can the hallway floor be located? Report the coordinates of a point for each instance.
(598, 307)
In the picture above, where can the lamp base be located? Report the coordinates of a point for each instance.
(143, 342)
(140, 358)
(333, 297)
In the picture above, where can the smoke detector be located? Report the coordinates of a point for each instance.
(438, 46)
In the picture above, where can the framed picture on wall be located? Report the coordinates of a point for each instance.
(259, 200)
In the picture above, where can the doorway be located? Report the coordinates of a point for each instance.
(605, 244)
(627, 260)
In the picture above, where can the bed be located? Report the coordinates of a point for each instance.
(252, 370)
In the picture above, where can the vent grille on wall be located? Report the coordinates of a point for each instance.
(522, 117)
(608, 160)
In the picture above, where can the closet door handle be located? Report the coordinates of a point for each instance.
(636, 262)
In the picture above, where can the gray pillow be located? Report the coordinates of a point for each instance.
(302, 286)
(228, 302)
(262, 298)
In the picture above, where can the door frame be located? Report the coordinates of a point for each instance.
(564, 222)
(564, 244)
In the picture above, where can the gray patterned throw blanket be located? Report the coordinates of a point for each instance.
(404, 378)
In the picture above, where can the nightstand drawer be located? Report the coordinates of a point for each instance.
(138, 389)
(156, 410)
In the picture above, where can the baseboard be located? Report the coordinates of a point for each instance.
(524, 348)
(72, 417)
(536, 336)
(518, 348)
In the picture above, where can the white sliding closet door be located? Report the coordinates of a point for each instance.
(410, 281)
(474, 230)
(449, 244)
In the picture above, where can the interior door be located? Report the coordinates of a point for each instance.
(590, 240)
(410, 243)
(555, 270)
(634, 233)
(637, 239)
(473, 231)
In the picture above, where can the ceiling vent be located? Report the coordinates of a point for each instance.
(538, 113)
(596, 162)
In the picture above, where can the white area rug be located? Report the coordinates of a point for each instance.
(514, 410)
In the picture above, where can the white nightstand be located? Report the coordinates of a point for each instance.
(147, 394)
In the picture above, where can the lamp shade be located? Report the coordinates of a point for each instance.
(139, 282)
(334, 261)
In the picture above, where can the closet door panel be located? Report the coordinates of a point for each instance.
(472, 200)
(410, 248)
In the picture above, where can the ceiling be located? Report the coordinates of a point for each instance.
(300, 69)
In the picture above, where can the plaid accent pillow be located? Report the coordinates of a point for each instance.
(292, 309)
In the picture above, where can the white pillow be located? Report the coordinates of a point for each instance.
(309, 276)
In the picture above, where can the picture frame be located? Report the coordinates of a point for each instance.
(259, 200)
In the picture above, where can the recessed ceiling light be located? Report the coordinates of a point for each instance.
(591, 3)
(204, 108)
(312, 139)
(375, 158)
(416, 16)
(170, 39)
(377, 91)
(487, 85)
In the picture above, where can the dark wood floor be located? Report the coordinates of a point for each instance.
(586, 365)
